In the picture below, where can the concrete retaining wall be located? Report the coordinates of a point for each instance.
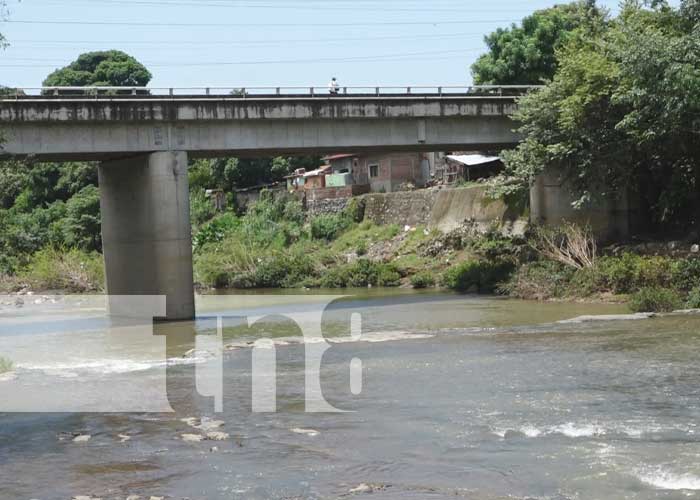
(443, 209)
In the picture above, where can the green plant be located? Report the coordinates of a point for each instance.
(692, 301)
(423, 279)
(361, 273)
(483, 276)
(329, 227)
(57, 269)
(539, 280)
(6, 365)
(216, 230)
(361, 248)
(686, 274)
(655, 299)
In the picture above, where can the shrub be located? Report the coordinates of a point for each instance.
(686, 274)
(361, 248)
(73, 270)
(539, 280)
(201, 208)
(423, 280)
(355, 210)
(217, 264)
(630, 272)
(6, 365)
(328, 227)
(484, 276)
(569, 244)
(361, 273)
(693, 299)
(215, 230)
(655, 299)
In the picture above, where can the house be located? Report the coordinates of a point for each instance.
(381, 172)
(301, 180)
(469, 167)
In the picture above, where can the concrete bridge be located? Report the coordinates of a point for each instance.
(143, 138)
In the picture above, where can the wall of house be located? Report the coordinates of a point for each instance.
(394, 170)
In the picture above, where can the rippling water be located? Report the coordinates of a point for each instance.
(462, 397)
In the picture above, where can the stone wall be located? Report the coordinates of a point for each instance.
(443, 209)
(326, 206)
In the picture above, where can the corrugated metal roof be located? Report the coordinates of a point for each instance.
(338, 157)
(472, 160)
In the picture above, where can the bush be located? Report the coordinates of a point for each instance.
(686, 274)
(423, 280)
(484, 276)
(540, 280)
(355, 210)
(629, 272)
(73, 270)
(201, 208)
(655, 299)
(329, 227)
(361, 273)
(216, 230)
(692, 301)
(6, 365)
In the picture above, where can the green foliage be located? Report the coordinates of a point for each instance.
(361, 273)
(6, 365)
(60, 269)
(620, 114)
(81, 226)
(692, 301)
(329, 226)
(686, 274)
(630, 272)
(111, 68)
(423, 279)
(216, 230)
(202, 209)
(355, 210)
(539, 280)
(655, 299)
(483, 276)
(525, 54)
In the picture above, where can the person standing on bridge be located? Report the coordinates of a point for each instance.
(334, 86)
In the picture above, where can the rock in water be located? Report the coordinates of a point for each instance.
(83, 438)
(217, 436)
(192, 438)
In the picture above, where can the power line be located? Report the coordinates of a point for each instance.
(315, 7)
(447, 36)
(258, 25)
(373, 58)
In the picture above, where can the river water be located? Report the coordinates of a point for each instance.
(461, 397)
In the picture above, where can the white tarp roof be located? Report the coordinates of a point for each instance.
(472, 160)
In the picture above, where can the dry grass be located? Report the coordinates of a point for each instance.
(569, 244)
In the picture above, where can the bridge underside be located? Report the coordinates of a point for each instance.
(257, 138)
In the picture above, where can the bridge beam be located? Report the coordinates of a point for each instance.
(146, 232)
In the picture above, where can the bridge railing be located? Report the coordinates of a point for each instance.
(266, 92)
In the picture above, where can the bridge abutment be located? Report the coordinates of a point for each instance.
(146, 232)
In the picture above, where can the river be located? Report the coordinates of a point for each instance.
(461, 396)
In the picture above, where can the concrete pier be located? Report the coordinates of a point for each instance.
(146, 233)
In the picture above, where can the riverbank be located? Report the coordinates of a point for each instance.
(276, 245)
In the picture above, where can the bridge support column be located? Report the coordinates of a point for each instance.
(146, 233)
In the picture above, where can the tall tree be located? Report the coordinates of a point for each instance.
(622, 112)
(111, 68)
(526, 54)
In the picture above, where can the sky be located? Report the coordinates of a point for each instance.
(264, 43)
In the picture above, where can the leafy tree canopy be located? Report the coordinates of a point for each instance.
(622, 112)
(526, 54)
(111, 68)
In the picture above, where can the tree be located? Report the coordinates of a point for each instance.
(622, 113)
(526, 54)
(111, 68)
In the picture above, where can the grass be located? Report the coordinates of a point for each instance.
(59, 269)
(6, 365)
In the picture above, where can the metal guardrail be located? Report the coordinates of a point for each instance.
(264, 92)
